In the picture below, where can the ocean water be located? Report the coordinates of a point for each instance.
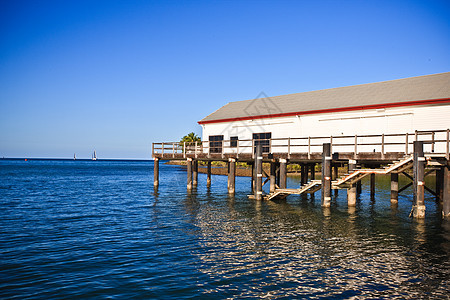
(98, 229)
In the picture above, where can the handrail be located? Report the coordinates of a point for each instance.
(437, 140)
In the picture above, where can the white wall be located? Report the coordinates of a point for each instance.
(365, 122)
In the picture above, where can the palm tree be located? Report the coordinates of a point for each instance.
(189, 139)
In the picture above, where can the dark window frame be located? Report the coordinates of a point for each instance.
(263, 139)
(215, 143)
(234, 141)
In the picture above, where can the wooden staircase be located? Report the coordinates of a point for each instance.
(310, 187)
(396, 167)
(345, 181)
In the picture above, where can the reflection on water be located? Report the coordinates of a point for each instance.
(295, 248)
(101, 230)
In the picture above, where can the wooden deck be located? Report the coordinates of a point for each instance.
(390, 154)
(382, 148)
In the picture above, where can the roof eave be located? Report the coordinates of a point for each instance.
(331, 110)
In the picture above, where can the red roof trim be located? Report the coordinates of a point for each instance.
(331, 110)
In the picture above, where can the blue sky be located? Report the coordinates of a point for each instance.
(116, 76)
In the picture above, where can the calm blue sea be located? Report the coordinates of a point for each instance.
(98, 229)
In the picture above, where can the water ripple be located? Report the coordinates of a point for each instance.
(99, 230)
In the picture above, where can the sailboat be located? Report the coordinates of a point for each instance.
(94, 156)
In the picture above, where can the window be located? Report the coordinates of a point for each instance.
(233, 141)
(262, 139)
(215, 143)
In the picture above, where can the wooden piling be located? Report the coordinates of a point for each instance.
(277, 173)
(351, 192)
(283, 173)
(446, 192)
(189, 173)
(259, 175)
(304, 174)
(195, 172)
(372, 186)
(272, 176)
(394, 188)
(336, 172)
(312, 170)
(231, 175)
(252, 182)
(358, 187)
(208, 178)
(418, 182)
(326, 175)
(156, 172)
(439, 184)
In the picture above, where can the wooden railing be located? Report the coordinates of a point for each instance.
(435, 141)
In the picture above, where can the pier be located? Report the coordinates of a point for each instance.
(415, 155)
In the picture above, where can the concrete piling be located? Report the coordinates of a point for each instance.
(189, 173)
(351, 192)
(259, 175)
(283, 173)
(446, 192)
(156, 172)
(272, 175)
(231, 175)
(326, 175)
(418, 182)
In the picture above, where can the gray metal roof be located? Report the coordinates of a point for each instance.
(421, 88)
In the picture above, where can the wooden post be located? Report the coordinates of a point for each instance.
(351, 192)
(439, 184)
(309, 147)
(208, 178)
(418, 182)
(358, 187)
(304, 174)
(446, 192)
(289, 147)
(326, 175)
(283, 173)
(189, 173)
(195, 172)
(258, 163)
(394, 188)
(372, 186)
(406, 144)
(156, 172)
(277, 174)
(253, 185)
(231, 175)
(334, 177)
(273, 169)
(432, 141)
(313, 171)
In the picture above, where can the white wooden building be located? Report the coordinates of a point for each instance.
(391, 107)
